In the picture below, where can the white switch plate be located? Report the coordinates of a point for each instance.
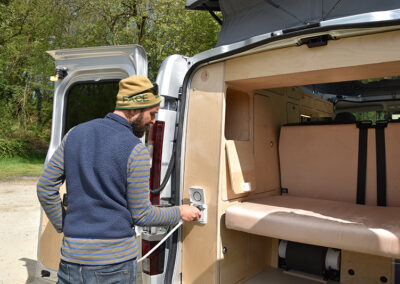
(198, 199)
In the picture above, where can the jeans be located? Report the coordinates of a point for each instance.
(119, 273)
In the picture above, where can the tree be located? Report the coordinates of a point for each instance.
(30, 27)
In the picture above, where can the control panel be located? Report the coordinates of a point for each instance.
(198, 199)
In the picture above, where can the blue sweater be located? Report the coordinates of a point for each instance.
(106, 169)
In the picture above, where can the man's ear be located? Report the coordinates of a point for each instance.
(133, 112)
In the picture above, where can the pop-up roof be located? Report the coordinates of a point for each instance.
(243, 19)
(203, 5)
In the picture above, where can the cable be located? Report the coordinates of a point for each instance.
(167, 174)
(161, 242)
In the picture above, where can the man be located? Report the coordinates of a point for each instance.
(106, 169)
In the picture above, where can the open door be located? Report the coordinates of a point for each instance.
(86, 85)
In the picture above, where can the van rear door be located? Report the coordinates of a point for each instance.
(86, 84)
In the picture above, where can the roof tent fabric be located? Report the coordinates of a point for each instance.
(245, 19)
(203, 5)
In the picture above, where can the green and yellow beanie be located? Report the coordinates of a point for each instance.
(137, 92)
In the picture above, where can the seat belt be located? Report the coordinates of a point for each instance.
(380, 162)
(362, 159)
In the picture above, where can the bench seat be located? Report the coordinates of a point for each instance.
(336, 224)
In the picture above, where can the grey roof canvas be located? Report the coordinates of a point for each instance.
(245, 19)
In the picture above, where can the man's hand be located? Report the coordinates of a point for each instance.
(189, 213)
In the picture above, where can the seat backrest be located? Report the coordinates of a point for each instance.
(321, 161)
(392, 144)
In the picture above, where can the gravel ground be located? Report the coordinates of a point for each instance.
(19, 225)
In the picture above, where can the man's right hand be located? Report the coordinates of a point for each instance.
(189, 213)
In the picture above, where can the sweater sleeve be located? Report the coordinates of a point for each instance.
(49, 185)
(143, 213)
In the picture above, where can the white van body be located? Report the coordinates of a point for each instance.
(252, 71)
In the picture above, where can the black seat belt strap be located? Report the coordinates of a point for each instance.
(362, 160)
(381, 162)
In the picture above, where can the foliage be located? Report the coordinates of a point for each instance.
(22, 147)
(30, 27)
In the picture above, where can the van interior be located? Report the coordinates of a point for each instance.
(297, 152)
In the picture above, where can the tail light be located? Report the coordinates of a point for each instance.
(155, 142)
(154, 264)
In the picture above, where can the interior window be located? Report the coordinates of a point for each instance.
(372, 115)
(89, 100)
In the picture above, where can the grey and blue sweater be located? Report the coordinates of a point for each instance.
(106, 169)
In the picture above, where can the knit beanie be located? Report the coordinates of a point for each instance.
(137, 92)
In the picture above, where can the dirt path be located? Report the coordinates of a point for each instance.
(19, 224)
(19, 227)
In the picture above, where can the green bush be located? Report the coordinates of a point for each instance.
(21, 147)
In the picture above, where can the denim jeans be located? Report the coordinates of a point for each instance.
(119, 273)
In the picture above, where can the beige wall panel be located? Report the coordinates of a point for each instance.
(50, 244)
(293, 113)
(294, 93)
(334, 149)
(368, 269)
(308, 101)
(226, 191)
(321, 76)
(235, 257)
(260, 251)
(266, 132)
(241, 165)
(338, 61)
(240, 109)
(274, 252)
(50, 241)
(237, 118)
(244, 255)
(392, 138)
(202, 164)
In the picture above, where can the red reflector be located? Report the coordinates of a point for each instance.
(154, 264)
(155, 141)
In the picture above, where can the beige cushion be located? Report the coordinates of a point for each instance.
(392, 147)
(321, 161)
(361, 228)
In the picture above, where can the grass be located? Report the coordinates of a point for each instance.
(11, 168)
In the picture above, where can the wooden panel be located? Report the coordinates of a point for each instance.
(226, 189)
(368, 269)
(235, 256)
(241, 166)
(266, 133)
(50, 241)
(244, 255)
(202, 165)
(237, 115)
(274, 253)
(307, 101)
(293, 113)
(361, 57)
(260, 250)
(294, 93)
(323, 106)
